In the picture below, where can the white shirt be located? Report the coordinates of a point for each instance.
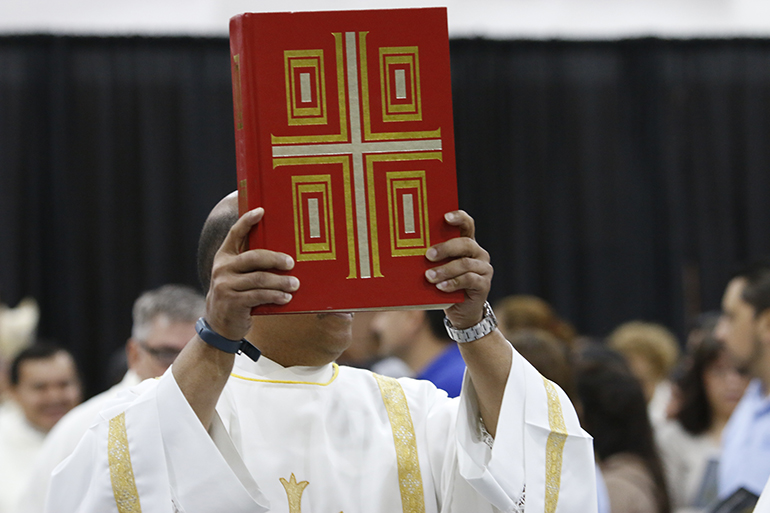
(328, 427)
(61, 441)
(19, 444)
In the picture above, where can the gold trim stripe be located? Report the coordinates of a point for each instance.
(554, 451)
(287, 382)
(121, 471)
(409, 475)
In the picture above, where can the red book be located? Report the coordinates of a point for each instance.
(343, 128)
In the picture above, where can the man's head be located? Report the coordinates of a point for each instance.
(745, 323)
(298, 339)
(164, 321)
(415, 336)
(45, 383)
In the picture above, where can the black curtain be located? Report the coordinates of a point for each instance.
(618, 180)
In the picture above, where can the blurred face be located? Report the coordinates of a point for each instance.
(47, 389)
(302, 339)
(363, 347)
(724, 386)
(737, 328)
(396, 330)
(151, 357)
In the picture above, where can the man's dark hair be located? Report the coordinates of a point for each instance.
(757, 290)
(436, 321)
(213, 234)
(41, 350)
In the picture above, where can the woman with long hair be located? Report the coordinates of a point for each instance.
(709, 388)
(614, 411)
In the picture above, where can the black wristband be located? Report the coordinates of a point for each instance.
(216, 340)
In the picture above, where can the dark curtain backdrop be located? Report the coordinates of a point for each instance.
(618, 180)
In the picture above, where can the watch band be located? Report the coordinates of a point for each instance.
(216, 340)
(486, 326)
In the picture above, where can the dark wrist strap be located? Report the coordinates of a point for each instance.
(216, 340)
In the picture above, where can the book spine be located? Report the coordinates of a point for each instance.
(246, 129)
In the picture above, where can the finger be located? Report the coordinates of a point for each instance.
(240, 230)
(456, 248)
(457, 268)
(260, 260)
(462, 220)
(264, 280)
(468, 282)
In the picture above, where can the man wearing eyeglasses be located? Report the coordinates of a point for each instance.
(163, 323)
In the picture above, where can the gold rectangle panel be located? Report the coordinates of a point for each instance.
(342, 136)
(302, 184)
(408, 180)
(400, 55)
(371, 159)
(296, 114)
(344, 161)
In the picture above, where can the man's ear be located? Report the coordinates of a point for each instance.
(132, 352)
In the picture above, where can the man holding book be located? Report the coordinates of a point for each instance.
(292, 431)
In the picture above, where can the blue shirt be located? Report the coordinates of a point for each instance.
(746, 444)
(446, 371)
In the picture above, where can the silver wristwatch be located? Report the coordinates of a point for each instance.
(486, 326)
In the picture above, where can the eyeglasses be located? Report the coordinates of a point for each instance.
(165, 356)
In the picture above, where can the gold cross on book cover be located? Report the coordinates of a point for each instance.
(343, 128)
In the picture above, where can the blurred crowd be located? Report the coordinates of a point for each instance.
(678, 426)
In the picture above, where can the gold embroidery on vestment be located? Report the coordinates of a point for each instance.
(121, 471)
(409, 475)
(554, 452)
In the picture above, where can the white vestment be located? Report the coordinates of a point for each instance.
(763, 505)
(19, 444)
(330, 440)
(61, 441)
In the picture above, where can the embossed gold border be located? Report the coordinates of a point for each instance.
(306, 59)
(400, 55)
(121, 471)
(413, 246)
(381, 136)
(341, 101)
(301, 186)
(407, 458)
(554, 451)
(371, 159)
(313, 183)
(344, 161)
(238, 92)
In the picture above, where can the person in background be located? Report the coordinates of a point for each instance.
(709, 389)
(745, 330)
(531, 312)
(652, 352)
(419, 339)
(44, 386)
(163, 323)
(615, 413)
(17, 331)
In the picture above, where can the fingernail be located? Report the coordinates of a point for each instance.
(450, 216)
(431, 274)
(289, 262)
(431, 254)
(286, 298)
(443, 285)
(293, 283)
